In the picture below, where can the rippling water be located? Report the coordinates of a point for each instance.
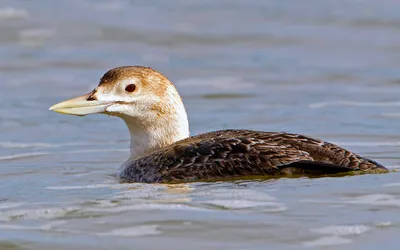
(328, 69)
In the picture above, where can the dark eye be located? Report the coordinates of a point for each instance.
(130, 88)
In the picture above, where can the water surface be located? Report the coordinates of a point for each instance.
(328, 69)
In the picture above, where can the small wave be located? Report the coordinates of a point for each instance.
(394, 184)
(335, 233)
(110, 6)
(13, 13)
(6, 144)
(35, 34)
(96, 186)
(375, 199)
(391, 115)
(136, 231)
(226, 96)
(342, 230)
(318, 105)
(224, 83)
(147, 207)
(236, 194)
(368, 199)
(95, 150)
(327, 241)
(384, 224)
(159, 192)
(368, 144)
(112, 185)
(10, 205)
(246, 204)
(22, 156)
(93, 186)
(47, 226)
(34, 37)
(33, 214)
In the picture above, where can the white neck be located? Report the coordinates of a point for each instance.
(151, 132)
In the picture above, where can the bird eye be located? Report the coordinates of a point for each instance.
(130, 88)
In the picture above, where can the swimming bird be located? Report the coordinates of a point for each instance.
(162, 150)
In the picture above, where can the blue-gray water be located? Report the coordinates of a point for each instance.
(329, 69)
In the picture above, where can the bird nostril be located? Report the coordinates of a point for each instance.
(91, 97)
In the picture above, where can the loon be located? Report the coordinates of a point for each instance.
(162, 150)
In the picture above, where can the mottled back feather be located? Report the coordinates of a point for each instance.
(239, 153)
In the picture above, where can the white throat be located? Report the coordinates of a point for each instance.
(151, 132)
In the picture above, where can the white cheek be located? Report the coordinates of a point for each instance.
(121, 109)
(115, 95)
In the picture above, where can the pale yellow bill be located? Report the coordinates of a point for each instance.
(80, 106)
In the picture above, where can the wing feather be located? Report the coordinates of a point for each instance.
(238, 153)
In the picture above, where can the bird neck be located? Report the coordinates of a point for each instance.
(153, 132)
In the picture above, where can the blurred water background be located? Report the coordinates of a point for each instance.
(328, 69)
